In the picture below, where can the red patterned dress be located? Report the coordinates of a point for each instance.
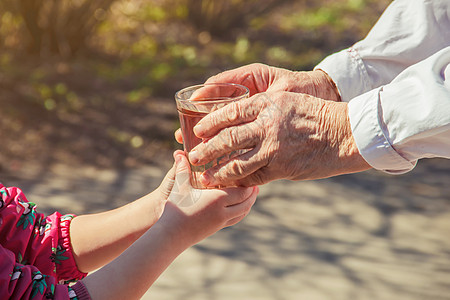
(36, 260)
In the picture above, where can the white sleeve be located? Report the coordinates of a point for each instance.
(407, 32)
(407, 119)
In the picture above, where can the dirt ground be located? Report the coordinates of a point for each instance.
(362, 236)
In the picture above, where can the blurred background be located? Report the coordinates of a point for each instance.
(87, 122)
(92, 82)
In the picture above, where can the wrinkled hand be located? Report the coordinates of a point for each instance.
(261, 78)
(200, 213)
(291, 135)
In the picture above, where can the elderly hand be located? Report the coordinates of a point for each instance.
(263, 78)
(290, 135)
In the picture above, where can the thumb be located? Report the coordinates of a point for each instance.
(182, 165)
(179, 169)
(182, 190)
(179, 136)
(167, 183)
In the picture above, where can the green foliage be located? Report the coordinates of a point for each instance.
(130, 54)
(155, 13)
(138, 95)
(57, 96)
(61, 27)
(220, 16)
(155, 44)
(340, 15)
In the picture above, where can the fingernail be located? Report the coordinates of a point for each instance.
(198, 129)
(193, 156)
(205, 179)
(177, 159)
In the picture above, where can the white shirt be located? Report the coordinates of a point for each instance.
(397, 83)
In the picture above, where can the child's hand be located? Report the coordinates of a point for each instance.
(204, 212)
(191, 215)
(167, 183)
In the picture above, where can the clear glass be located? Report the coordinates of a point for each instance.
(195, 102)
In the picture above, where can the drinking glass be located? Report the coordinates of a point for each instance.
(195, 102)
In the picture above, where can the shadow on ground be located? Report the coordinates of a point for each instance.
(360, 236)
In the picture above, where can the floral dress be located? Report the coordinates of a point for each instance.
(36, 260)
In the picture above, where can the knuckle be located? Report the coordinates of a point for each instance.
(231, 137)
(233, 112)
(213, 146)
(261, 100)
(256, 66)
(212, 119)
(218, 143)
(215, 78)
(223, 176)
(220, 175)
(283, 84)
(235, 168)
(202, 148)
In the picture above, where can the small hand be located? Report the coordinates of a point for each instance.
(200, 213)
(167, 183)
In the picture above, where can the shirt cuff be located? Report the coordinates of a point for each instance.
(348, 72)
(368, 131)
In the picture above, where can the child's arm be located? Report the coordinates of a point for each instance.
(99, 238)
(35, 250)
(133, 272)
